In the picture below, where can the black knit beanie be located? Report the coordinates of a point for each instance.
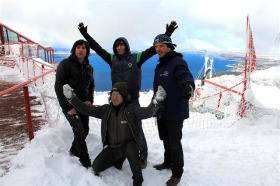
(121, 87)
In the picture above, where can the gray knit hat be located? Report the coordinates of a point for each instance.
(163, 38)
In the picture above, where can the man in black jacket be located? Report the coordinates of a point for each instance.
(126, 67)
(120, 128)
(173, 74)
(78, 73)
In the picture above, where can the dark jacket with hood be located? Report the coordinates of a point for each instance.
(126, 67)
(78, 76)
(125, 127)
(173, 74)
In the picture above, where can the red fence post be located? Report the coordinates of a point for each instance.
(219, 100)
(243, 101)
(34, 73)
(28, 113)
(43, 68)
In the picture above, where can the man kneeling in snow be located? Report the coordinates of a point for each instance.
(119, 127)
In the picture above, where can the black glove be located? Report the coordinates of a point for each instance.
(188, 91)
(82, 28)
(170, 28)
(159, 106)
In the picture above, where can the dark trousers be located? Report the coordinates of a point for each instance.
(80, 128)
(170, 132)
(110, 156)
(143, 143)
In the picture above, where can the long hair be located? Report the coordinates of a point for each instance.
(80, 42)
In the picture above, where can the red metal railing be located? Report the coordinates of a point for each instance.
(24, 85)
(6, 39)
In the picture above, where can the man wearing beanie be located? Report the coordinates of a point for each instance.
(173, 74)
(120, 128)
(126, 67)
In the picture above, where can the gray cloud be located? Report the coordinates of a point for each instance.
(203, 25)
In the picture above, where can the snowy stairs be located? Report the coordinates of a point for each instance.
(13, 128)
(8, 61)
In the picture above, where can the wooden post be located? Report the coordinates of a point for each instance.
(28, 113)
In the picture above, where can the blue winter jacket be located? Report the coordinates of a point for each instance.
(173, 74)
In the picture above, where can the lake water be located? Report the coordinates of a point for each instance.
(195, 62)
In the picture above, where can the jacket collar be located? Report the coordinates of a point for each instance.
(169, 56)
(73, 58)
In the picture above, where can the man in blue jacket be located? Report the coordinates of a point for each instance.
(126, 67)
(173, 74)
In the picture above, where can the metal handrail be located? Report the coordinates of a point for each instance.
(22, 84)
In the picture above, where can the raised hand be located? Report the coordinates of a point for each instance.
(171, 27)
(82, 28)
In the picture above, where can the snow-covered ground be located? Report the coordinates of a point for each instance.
(246, 154)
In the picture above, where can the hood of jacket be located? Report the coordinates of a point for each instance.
(126, 45)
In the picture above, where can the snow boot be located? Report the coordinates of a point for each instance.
(137, 181)
(86, 162)
(173, 181)
(162, 166)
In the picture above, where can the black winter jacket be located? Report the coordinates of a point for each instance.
(130, 114)
(78, 76)
(173, 74)
(125, 68)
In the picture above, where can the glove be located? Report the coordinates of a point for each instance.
(170, 28)
(160, 95)
(188, 91)
(68, 91)
(82, 28)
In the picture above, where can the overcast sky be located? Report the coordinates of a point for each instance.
(203, 25)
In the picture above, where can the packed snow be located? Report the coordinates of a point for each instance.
(245, 154)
